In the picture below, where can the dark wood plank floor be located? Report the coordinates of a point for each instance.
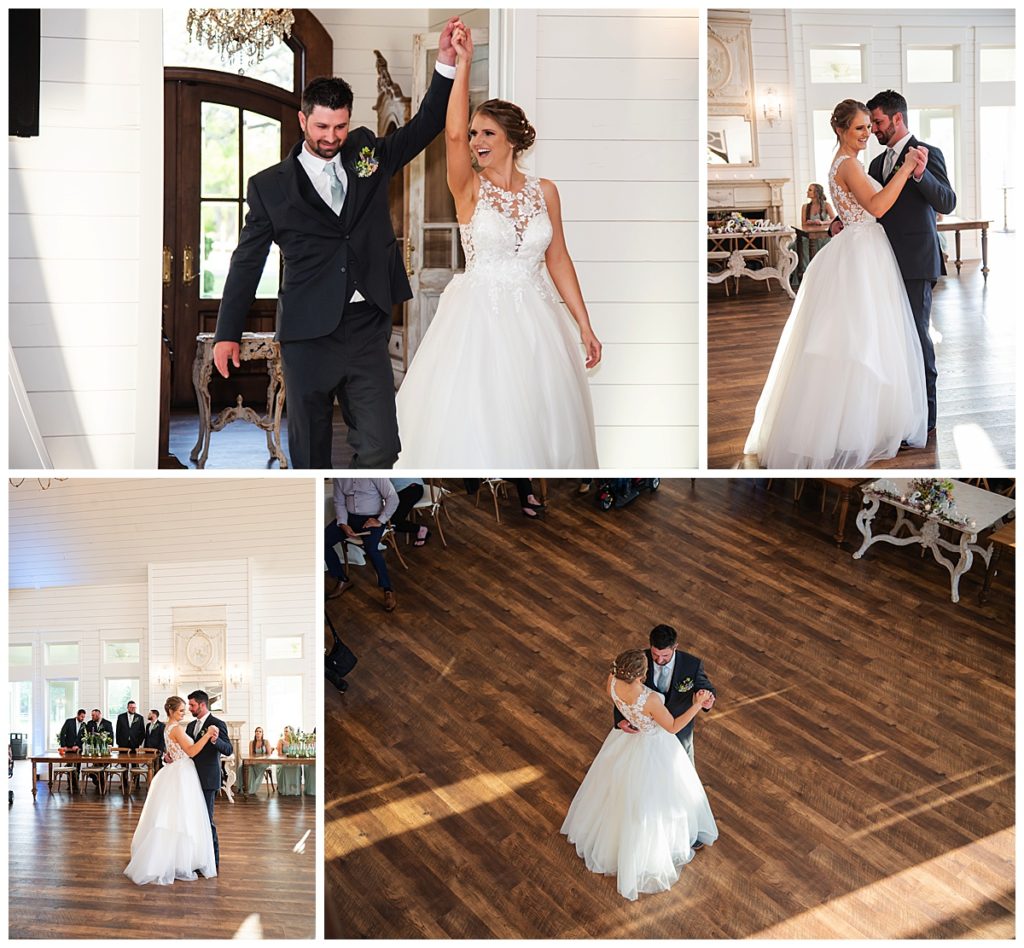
(67, 859)
(859, 761)
(976, 362)
(241, 446)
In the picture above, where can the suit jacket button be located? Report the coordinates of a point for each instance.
(342, 269)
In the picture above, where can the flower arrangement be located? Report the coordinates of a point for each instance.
(96, 744)
(367, 163)
(929, 496)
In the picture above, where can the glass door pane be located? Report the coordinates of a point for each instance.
(119, 692)
(284, 706)
(20, 710)
(61, 704)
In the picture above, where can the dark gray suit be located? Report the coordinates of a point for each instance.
(330, 345)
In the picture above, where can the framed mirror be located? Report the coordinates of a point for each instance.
(732, 126)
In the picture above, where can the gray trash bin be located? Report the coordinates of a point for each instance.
(19, 748)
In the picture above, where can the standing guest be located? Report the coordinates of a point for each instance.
(289, 780)
(259, 746)
(154, 731)
(362, 505)
(73, 731)
(410, 492)
(99, 723)
(131, 732)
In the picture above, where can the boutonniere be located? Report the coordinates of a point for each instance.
(367, 163)
(685, 685)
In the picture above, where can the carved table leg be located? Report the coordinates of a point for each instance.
(788, 260)
(864, 519)
(844, 508)
(202, 369)
(966, 558)
(275, 406)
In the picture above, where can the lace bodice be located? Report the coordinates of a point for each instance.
(634, 712)
(509, 232)
(847, 206)
(174, 749)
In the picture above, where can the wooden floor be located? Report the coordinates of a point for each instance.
(242, 446)
(976, 363)
(859, 761)
(67, 858)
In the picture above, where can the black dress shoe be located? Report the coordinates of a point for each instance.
(697, 846)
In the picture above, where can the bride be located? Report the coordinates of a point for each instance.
(499, 379)
(847, 385)
(641, 807)
(173, 839)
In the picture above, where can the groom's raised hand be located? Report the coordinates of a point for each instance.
(445, 48)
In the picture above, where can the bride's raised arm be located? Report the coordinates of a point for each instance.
(661, 714)
(186, 743)
(461, 177)
(852, 177)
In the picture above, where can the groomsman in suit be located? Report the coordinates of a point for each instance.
(155, 731)
(326, 206)
(73, 731)
(676, 675)
(131, 732)
(100, 723)
(207, 761)
(910, 222)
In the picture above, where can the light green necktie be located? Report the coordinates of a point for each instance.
(890, 160)
(337, 188)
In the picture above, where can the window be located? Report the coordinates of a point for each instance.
(998, 158)
(837, 64)
(121, 652)
(62, 653)
(19, 655)
(998, 64)
(119, 692)
(19, 708)
(931, 64)
(61, 704)
(284, 705)
(284, 647)
(276, 68)
(937, 127)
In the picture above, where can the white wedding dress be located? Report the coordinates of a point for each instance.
(847, 384)
(641, 806)
(499, 380)
(173, 839)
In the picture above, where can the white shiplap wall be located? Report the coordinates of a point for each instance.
(92, 559)
(85, 218)
(613, 96)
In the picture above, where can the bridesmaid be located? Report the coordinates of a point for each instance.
(289, 780)
(258, 747)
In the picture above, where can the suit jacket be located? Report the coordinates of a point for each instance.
(134, 736)
(71, 733)
(327, 256)
(910, 222)
(688, 677)
(102, 725)
(155, 736)
(207, 761)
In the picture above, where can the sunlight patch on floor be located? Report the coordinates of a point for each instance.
(909, 903)
(974, 449)
(408, 814)
(250, 928)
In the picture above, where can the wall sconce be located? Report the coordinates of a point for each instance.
(235, 676)
(771, 106)
(164, 677)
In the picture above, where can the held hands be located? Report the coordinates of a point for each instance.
(915, 159)
(445, 49)
(222, 351)
(214, 732)
(462, 40)
(704, 698)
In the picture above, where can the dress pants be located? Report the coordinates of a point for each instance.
(920, 294)
(211, 796)
(353, 363)
(408, 497)
(334, 534)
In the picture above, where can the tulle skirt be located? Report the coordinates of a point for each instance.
(847, 383)
(498, 382)
(173, 839)
(638, 812)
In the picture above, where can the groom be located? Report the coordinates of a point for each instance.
(207, 761)
(677, 675)
(326, 207)
(910, 222)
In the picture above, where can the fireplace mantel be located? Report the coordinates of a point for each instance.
(742, 194)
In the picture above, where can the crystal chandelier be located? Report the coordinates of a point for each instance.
(246, 33)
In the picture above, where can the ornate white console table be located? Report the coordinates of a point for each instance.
(982, 508)
(742, 247)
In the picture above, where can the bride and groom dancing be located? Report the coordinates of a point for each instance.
(853, 377)
(176, 837)
(499, 379)
(641, 812)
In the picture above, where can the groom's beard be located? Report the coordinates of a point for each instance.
(321, 152)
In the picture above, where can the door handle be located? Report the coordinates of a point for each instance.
(168, 267)
(188, 265)
(409, 248)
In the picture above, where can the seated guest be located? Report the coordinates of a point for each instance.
(131, 732)
(73, 731)
(259, 746)
(527, 500)
(289, 780)
(362, 505)
(410, 492)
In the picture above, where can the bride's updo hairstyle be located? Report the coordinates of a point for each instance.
(630, 665)
(512, 119)
(172, 704)
(844, 114)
